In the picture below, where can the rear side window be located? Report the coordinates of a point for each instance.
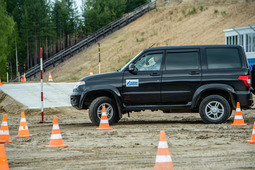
(223, 58)
(181, 60)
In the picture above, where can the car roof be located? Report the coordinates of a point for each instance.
(189, 46)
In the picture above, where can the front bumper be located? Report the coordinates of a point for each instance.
(75, 100)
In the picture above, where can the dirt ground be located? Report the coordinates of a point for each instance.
(133, 142)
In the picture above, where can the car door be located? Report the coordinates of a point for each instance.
(142, 86)
(181, 76)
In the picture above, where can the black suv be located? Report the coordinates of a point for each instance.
(209, 79)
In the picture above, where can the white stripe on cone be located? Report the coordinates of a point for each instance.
(22, 128)
(103, 121)
(253, 131)
(238, 117)
(4, 124)
(238, 109)
(162, 144)
(55, 127)
(56, 136)
(23, 120)
(163, 158)
(4, 132)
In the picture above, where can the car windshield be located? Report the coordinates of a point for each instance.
(130, 61)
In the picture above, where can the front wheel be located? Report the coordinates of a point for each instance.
(214, 109)
(95, 110)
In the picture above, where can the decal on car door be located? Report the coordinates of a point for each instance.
(132, 83)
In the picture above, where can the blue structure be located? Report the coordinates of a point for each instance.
(244, 36)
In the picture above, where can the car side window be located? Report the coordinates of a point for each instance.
(223, 58)
(149, 62)
(181, 60)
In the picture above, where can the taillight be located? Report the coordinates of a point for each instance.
(246, 80)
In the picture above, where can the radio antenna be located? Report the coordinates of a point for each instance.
(152, 45)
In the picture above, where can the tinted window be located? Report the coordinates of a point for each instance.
(182, 60)
(223, 58)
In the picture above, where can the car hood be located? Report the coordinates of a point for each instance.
(101, 76)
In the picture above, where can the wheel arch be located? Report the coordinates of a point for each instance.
(223, 90)
(92, 94)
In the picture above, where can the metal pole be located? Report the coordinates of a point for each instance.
(41, 61)
(239, 36)
(99, 57)
(17, 67)
(252, 27)
(25, 72)
(7, 69)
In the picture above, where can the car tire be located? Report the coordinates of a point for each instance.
(214, 109)
(95, 110)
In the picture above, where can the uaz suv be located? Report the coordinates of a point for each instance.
(208, 79)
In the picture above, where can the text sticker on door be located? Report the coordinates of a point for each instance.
(132, 83)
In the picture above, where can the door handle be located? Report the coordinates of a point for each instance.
(194, 73)
(155, 74)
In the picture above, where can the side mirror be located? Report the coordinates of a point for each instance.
(131, 67)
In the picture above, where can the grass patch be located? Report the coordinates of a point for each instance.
(154, 33)
(201, 8)
(184, 12)
(139, 40)
(216, 11)
(171, 12)
(113, 69)
(193, 11)
(74, 78)
(129, 59)
(223, 13)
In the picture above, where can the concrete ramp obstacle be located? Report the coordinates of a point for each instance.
(29, 94)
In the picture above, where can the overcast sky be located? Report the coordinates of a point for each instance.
(78, 3)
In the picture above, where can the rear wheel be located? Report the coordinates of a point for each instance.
(95, 110)
(214, 109)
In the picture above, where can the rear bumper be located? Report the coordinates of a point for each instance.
(245, 99)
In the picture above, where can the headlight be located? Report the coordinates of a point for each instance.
(78, 84)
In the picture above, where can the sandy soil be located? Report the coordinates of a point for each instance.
(168, 25)
(133, 142)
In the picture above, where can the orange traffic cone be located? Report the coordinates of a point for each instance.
(163, 159)
(1, 83)
(3, 160)
(56, 138)
(253, 135)
(23, 129)
(23, 78)
(238, 120)
(4, 132)
(104, 124)
(91, 72)
(50, 77)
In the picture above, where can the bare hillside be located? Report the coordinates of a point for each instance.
(172, 25)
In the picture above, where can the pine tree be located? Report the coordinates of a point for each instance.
(6, 29)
